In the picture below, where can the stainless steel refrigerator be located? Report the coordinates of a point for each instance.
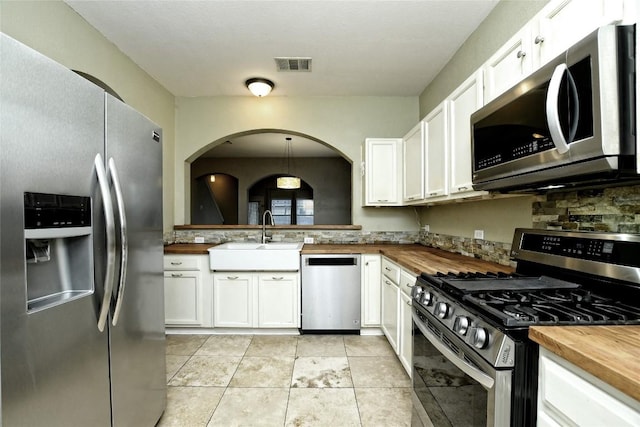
(81, 285)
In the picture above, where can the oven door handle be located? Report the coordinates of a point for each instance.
(485, 380)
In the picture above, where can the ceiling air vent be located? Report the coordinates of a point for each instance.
(293, 64)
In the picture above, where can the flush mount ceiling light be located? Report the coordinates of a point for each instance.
(259, 87)
(288, 182)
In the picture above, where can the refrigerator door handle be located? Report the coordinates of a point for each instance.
(111, 241)
(124, 244)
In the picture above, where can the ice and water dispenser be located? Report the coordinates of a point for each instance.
(59, 248)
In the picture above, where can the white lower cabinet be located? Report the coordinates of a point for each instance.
(233, 300)
(397, 321)
(390, 304)
(370, 299)
(570, 396)
(278, 300)
(256, 300)
(187, 291)
(405, 351)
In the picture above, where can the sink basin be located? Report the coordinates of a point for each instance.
(241, 256)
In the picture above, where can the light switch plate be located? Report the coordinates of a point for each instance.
(478, 234)
(308, 240)
(199, 240)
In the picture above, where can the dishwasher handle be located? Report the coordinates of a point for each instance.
(332, 261)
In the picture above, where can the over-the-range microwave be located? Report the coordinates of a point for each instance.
(572, 122)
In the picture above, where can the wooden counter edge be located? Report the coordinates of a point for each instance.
(568, 343)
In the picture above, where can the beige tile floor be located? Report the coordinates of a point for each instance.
(308, 380)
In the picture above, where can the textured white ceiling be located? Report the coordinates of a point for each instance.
(359, 47)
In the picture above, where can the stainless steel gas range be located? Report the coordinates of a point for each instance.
(473, 364)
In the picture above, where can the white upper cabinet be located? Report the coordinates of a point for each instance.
(463, 102)
(382, 168)
(413, 166)
(559, 25)
(563, 23)
(508, 65)
(436, 154)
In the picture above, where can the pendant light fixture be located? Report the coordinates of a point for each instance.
(288, 182)
(259, 87)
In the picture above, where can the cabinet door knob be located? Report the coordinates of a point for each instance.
(277, 278)
(232, 277)
(176, 262)
(538, 39)
(462, 188)
(521, 54)
(387, 282)
(176, 274)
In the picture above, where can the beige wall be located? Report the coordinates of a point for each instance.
(341, 122)
(55, 30)
(498, 218)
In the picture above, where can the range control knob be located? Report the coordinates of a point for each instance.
(416, 292)
(461, 325)
(441, 310)
(480, 337)
(426, 298)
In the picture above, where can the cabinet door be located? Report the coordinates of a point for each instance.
(183, 298)
(568, 395)
(508, 65)
(370, 290)
(278, 301)
(562, 23)
(390, 301)
(383, 159)
(413, 165)
(436, 156)
(233, 300)
(462, 103)
(405, 351)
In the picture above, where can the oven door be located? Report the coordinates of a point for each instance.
(452, 385)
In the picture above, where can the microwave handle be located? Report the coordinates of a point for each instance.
(553, 115)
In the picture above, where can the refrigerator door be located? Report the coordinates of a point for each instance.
(134, 160)
(54, 360)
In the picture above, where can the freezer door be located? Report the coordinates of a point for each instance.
(134, 161)
(54, 361)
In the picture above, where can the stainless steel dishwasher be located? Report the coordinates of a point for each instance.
(330, 293)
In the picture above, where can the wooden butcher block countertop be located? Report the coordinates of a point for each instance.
(610, 353)
(417, 258)
(188, 249)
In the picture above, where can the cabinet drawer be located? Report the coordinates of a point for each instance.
(407, 281)
(391, 270)
(172, 262)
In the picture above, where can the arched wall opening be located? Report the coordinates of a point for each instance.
(330, 177)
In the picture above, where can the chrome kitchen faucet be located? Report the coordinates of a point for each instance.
(264, 225)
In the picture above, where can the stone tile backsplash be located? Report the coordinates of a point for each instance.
(615, 209)
(319, 236)
(483, 249)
